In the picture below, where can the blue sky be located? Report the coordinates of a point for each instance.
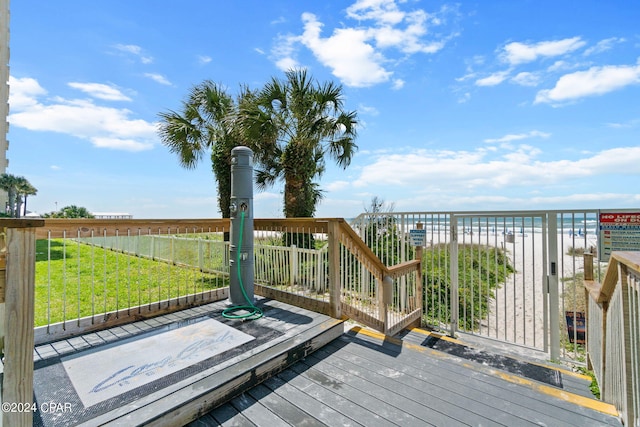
(476, 105)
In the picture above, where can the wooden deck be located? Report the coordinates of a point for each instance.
(366, 379)
(305, 369)
(284, 335)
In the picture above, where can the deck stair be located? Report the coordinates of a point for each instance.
(418, 378)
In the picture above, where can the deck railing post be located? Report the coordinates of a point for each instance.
(386, 299)
(293, 265)
(453, 270)
(333, 253)
(419, 297)
(588, 276)
(17, 384)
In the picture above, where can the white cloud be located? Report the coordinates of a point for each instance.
(284, 52)
(526, 79)
(494, 79)
(347, 52)
(594, 81)
(364, 55)
(382, 11)
(121, 144)
(468, 170)
(104, 127)
(159, 78)
(464, 98)
(101, 91)
(204, 59)
(397, 84)
(603, 45)
(136, 51)
(519, 136)
(364, 109)
(518, 53)
(129, 48)
(337, 185)
(23, 92)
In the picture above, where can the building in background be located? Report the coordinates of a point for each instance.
(111, 215)
(4, 93)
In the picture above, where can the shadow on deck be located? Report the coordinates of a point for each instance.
(296, 367)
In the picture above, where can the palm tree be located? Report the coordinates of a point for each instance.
(8, 183)
(16, 187)
(29, 190)
(23, 188)
(295, 123)
(206, 122)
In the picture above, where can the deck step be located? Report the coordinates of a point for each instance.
(546, 373)
(366, 378)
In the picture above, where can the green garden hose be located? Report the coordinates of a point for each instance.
(253, 312)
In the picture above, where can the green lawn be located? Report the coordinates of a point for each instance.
(77, 280)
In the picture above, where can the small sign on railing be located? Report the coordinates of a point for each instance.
(576, 326)
(418, 237)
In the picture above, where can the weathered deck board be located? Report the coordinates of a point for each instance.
(572, 382)
(291, 334)
(360, 379)
(491, 386)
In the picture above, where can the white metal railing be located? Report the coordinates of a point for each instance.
(526, 301)
(614, 333)
(206, 251)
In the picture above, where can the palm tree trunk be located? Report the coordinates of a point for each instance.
(11, 195)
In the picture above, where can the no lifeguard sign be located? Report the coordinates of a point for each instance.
(619, 231)
(418, 237)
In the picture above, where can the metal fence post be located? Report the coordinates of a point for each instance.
(453, 272)
(554, 298)
(419, 288)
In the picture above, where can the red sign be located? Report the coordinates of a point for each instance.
(620, 218)
(619, 231)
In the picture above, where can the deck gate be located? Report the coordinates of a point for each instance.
(516, 300)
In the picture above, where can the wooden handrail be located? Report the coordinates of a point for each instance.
(316, 225)
(612, 344)
(403, 268)
(366, 250)
(602, 292)
(55, 227)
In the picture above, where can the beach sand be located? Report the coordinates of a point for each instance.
(517, 311)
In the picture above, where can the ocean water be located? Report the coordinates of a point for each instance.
(578, 224)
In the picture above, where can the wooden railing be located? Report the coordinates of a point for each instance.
(345, 277)
(349, 280)
(385, 298)
(613, 332)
